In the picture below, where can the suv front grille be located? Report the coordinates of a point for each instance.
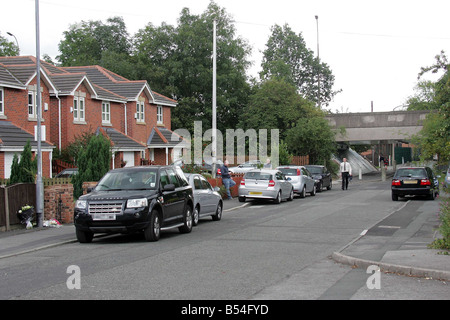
(105, 207)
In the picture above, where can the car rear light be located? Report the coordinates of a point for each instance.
(298, 171)
(425, 182)
(396, 182)
(271, 183)
(243, 182)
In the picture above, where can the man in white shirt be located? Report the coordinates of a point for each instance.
(346, 171)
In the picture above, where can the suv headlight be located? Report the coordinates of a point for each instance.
(137, 203)
(81, 204)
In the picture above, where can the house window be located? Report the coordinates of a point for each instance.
(32, 104)
(159, 114)
(140, 111)
(2, 103)
(78, 109)
(106, 112)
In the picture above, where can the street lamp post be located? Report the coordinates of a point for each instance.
(39, 182)
(214, 104)
(318, 62)
(17, 42)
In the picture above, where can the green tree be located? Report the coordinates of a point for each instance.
(286, 56)
(93, 162)
(276, 104)
(314, 137)
(97, 43)
(179, 64)
(434, 138)
(15, 170)
(8, 48)
(24, 171)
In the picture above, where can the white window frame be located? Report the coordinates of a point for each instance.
(159, 114)
(140, 111)
(106, 112)
(79, 109)
(33, 104)
(2, 102)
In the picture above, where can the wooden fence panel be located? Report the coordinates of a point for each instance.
(17, 196)
(2, 208)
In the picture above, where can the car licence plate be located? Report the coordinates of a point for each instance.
(255, 193)
(410, 182)
(104, 216)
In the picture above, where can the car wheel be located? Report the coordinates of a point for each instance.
(218, 214)
(195, 216)
(313, 192)
(303, 194)
(241, 199)
(84, 236)
(319, 187)
(278, 198)
(432, 196)
(153, 230)
(394, 197)
(187, 227)
(291, 195)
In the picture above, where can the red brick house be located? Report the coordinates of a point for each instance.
(76, 100)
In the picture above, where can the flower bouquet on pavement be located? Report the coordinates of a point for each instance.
(26, 214)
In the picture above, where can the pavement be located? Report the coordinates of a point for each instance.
(21, 241)
(397, 245)
(395, 250)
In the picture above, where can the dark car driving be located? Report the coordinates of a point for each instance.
(149, 199)
(321, 175)
(414, 181)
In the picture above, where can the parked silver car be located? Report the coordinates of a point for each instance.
(265, 184)
(245, 167)
(300, 178)
(207, 201)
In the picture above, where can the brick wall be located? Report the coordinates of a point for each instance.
(58, 203)
(234, 190)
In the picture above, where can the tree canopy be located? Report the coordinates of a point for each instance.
(434, 138)
(8, 48)
(287, 56)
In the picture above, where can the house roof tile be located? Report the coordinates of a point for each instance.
(18, 71)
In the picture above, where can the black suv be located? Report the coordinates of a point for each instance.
(414, 181)
(149, 199)
(321, 175)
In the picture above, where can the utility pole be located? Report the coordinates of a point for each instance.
(39, 182)
(214, 107)
(318, 63)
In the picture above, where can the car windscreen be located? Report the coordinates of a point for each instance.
(314, 170)
(128, 180)
(289, 172)
(258, 175)
(411, 173)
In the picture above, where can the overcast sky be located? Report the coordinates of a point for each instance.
(375, 49)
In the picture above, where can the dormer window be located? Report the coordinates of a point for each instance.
(140, 115)
(78, 109)
(32, 104)
(2, 103)
(106, 113)
(159, 115)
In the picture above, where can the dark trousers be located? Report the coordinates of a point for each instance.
(345, 176)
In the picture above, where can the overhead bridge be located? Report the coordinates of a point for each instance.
(373, 127)
(389, 134)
